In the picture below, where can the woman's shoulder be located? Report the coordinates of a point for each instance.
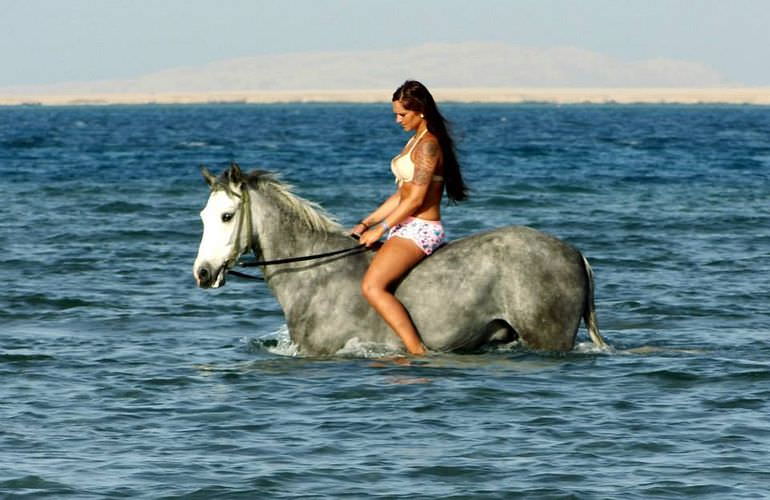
(430, 136)
(429, 149)
(426, 140)
(429, 143)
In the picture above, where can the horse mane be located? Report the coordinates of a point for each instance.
(308, 213)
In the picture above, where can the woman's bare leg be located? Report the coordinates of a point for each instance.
(392, 261)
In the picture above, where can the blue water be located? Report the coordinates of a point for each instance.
(118, 378)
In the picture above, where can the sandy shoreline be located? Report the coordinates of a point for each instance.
(745, 95)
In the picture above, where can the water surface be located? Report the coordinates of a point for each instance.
(118, 378)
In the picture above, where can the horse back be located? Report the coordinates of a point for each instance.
(526, 278)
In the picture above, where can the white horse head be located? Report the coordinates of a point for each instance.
(226, 227)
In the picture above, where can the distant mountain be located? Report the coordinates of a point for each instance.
(459, 65)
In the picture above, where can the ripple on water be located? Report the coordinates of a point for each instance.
(122, 379)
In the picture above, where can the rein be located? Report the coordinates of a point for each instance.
(288, 260)
(246, 217)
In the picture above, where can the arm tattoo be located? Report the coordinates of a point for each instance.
(427, 160)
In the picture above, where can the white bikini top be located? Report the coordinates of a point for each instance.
(402, 165)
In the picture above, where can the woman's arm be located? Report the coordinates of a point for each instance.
(412, 194)
(379, 214)
(383, 210)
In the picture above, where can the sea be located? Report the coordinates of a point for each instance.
(120, 379)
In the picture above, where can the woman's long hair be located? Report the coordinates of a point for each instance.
(414, 96)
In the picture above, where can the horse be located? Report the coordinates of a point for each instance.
(508, 284)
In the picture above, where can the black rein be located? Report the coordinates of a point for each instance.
(288, 260)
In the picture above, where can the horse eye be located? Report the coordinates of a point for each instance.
(227, 217)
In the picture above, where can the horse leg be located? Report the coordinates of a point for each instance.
(499, 331)
(549, 321)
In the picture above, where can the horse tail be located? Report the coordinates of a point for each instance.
(589, 310)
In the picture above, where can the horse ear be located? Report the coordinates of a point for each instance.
(208, 176)
(234, 173)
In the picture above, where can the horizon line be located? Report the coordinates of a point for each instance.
(490, 95)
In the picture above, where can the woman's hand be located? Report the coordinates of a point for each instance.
(372, 236)
(358, 229)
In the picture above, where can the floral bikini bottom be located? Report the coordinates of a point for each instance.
(426, 234)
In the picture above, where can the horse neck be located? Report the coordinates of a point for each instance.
(279, 233)
(282, 235)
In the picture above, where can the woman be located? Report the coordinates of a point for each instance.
(411, 217)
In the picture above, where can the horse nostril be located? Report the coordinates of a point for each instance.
(204, 275)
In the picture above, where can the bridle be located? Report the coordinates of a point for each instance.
(246, 220)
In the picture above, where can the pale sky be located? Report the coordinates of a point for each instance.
(49, 41)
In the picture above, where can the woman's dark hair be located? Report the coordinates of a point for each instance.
(414, 96)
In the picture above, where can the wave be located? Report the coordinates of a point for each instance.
(22, 358)
(279, 343)
(36, 483)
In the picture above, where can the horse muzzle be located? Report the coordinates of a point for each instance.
(207, 277)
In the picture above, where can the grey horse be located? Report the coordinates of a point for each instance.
(496, 286)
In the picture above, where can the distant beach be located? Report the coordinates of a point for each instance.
(740, 95)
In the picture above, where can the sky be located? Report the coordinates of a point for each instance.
(51, 41)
